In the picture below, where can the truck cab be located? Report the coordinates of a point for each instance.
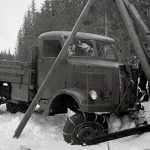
(87, 79)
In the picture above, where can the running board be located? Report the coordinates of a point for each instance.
(117, 135)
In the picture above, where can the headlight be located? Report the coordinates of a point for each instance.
(93, 95)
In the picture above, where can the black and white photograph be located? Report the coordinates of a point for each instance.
(75, 74)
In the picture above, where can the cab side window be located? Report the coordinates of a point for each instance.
(106, 50)
(51, 48)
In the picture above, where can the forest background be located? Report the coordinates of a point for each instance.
(56, 15)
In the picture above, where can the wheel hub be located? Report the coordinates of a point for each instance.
(86, 130)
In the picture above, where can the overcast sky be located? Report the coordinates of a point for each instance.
(11, 19)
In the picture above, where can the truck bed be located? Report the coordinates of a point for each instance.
(15, 72)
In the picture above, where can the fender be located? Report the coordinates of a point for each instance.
(80, 96)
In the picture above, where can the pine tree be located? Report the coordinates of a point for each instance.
(27, 34)
(19, 47)
(103, 18)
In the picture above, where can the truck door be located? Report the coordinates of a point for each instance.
(49, 49)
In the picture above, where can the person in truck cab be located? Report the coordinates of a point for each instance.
(71, 49)
(80, 48)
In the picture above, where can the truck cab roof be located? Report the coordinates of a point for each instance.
(84, 44)
(80, 35)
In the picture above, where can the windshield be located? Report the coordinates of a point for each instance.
(85, 47)
(80, 47)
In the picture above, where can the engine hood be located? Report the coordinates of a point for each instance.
(94, 62)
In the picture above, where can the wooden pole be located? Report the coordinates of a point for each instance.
(134, 38)
(138, 18)
(49, 77)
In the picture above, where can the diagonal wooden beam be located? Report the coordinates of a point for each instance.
(134, 38)
(138, 18)
(58, 60)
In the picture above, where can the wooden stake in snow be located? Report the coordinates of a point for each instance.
(108, 146)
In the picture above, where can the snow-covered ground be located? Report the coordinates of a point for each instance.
(45, 133)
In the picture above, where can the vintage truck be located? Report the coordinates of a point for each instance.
(80, 72)
(92, 58)
(90, 79)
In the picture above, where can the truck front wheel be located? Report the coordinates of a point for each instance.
(81, 126)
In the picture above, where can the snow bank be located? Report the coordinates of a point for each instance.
(116, 124)
(45, 133)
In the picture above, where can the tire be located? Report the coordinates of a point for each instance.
(84, 125)
(23, 107)
(12, 107)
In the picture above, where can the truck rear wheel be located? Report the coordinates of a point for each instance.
(14, 108)
(81, 126)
